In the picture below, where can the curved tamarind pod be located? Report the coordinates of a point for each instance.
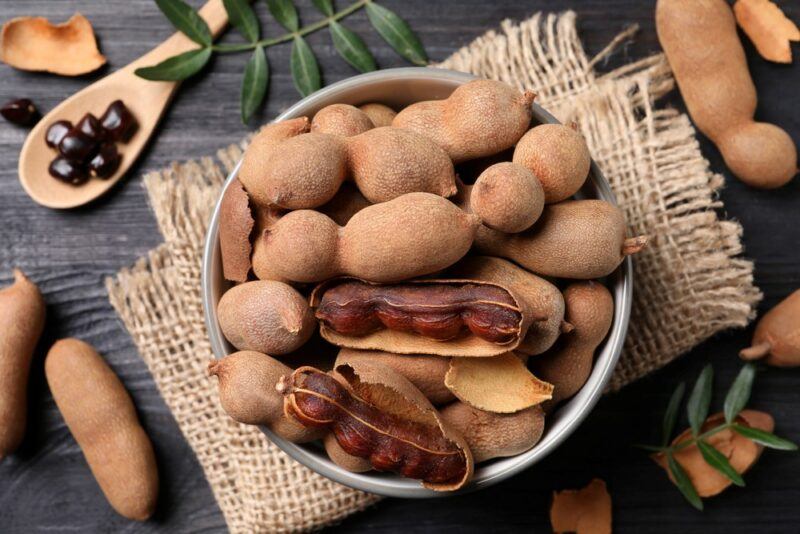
(413, 235)
(542, 297)
(590, 310)
(377, 414)
(579, 239)
(442, 317)
(21, 325)
(777, 335)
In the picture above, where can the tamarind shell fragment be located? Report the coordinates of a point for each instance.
(441, 317)
(377, 414)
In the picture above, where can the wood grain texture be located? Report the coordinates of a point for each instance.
(48, 487)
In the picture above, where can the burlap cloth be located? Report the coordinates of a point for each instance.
(690, 281)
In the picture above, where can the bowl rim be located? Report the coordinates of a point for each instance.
(574, 412)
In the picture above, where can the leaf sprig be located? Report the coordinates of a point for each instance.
(697, 408)
(303, 63)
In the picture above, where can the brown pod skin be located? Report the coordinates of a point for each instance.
(558, 156)
(478, 119)
(378, 415)
(777, 335)
(495, 435)
(21, 325)
(700, 40)
(425, 371)
(379, 114)
(100, 414)
(337, 455)
(235, 226)
(247, 381)
(590, 309)
(341, 119)
(542, 297)
(579, 239)
(413, 235)
(507, 197)
(265, 316)
(387, 162)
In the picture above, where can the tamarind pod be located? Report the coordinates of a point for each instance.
(377, 414)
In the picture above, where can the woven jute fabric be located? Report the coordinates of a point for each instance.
(690, 282)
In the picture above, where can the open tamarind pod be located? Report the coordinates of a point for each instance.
(480, 118)
(247, 381)
(21, 325)
(341, 119)
(413, 235)
(776, 339)
(495, 435)
(502, 384)
(425, 371)
(590, 310)
(541, 296)
(441, 317)
(578, 239)
(235, 226)
(336, 453)
(379, 415)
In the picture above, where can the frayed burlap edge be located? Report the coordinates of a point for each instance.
(652, 160)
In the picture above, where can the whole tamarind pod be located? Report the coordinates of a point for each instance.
(777, 335)
(235, 226)
(387, 162)
(480, 118)
(507, 197)
(541, 296)
(590, 309)
(425, 371)
(495, 435)
(379, 415)
(100, 414)
(579, 239)
(247, 381)
(341, 119)
(21, 325)
(700, 40)
(413, 235)
(442, 317)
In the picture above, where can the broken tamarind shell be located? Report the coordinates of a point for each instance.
(502, 384)
(741, 452)
(425, 371)
(585, 511)
(377, 414)
(442, 317)
(768, 28)
(235, 226)
(776, 339)
(539, 295)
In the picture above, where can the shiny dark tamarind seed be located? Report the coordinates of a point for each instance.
(56, 132)
(71, 172)
(118, 121)
(77, 146)
(21, 112)
(106, 162)
(90, 125)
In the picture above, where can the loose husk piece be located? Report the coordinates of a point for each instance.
(235, 226)
(585, 511)
(34, 43)
(379, 415)
(770, 30)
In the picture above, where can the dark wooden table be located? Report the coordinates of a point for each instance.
(47, 486)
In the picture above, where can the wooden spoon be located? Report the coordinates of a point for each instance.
(145, 99)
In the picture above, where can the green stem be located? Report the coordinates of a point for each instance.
(700, 437)
(228, 48)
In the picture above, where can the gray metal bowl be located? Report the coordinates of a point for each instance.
(398, 88)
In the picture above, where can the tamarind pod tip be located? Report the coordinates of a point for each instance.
(633, 245)
(756, 352)
(528, 97)
(566, 327)
(213, 368)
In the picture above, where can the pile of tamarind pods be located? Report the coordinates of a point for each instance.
(413, 322)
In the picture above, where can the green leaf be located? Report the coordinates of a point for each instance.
(177, 67)
(397, 33)
(718, 461)
(254, 83)
(700, 399)
(739, 393)
(326, 6)
(285, 13)
(186, 20)
(767, 439)
(671, 415)
(352, 48)
(684, 483)
(243, 18)
(305, 71)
